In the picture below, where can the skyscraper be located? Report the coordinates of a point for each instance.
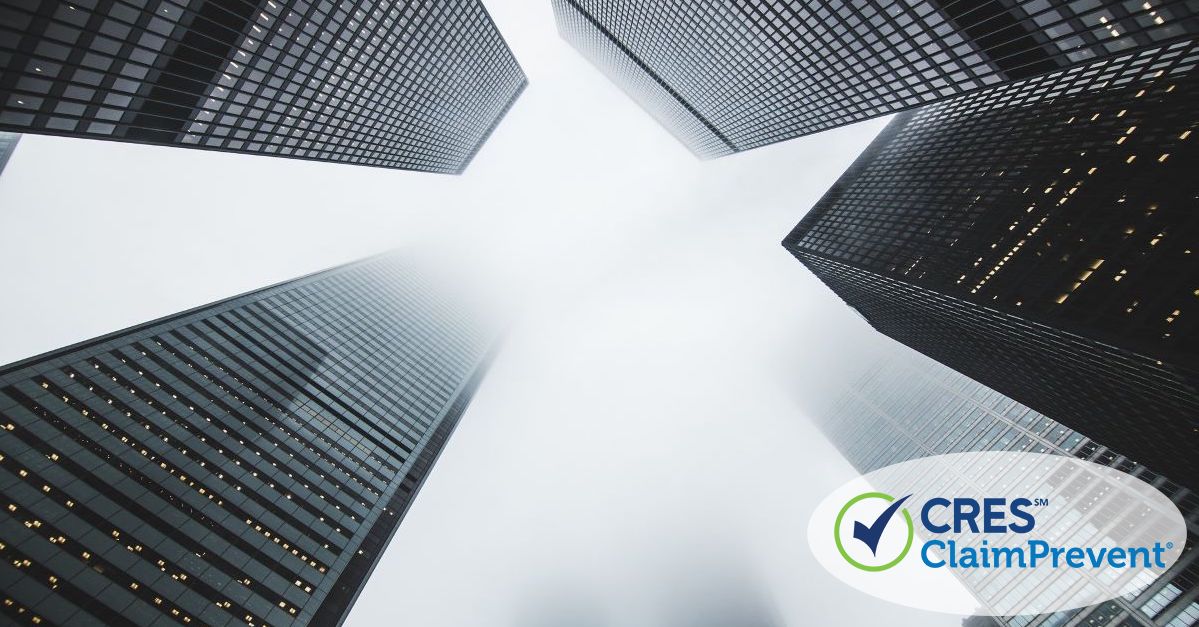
(731, 75)
(8, 143)
(415, 86)
(1040, 237)
(905, 407)
(244, 462)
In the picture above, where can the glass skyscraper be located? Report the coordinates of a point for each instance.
(8, 143)
(416, 85)
(905, 407)
(731, 75)
(1040, 237)
(242, 463)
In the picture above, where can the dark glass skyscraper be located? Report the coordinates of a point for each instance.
(1040, 237)
(416, 85)
(730, 75)
(908, 407)
(242, 463)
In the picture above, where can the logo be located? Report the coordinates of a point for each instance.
(938, 533)
(870, 533)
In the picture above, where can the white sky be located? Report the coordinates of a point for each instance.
(638, 454)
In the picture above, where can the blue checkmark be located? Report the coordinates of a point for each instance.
(870, 535)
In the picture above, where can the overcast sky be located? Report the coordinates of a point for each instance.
(639, 453)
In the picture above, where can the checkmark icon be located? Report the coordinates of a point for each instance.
(870, 535)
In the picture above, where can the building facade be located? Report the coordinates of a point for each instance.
(726, 76)
(415, 86)
(8, 143)
(1039, 237)
(906, 407)
(242, 463)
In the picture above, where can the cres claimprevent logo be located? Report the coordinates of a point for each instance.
(937, 533)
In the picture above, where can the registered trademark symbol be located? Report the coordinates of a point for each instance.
(1169, 545)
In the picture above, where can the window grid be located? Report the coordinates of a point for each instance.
(732, 76)
(417, 86)
(242, 463)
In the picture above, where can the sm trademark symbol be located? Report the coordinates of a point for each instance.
(1040, 502)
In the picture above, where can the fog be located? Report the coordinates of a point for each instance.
(639, 453)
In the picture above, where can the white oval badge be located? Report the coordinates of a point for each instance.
(997, 533)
